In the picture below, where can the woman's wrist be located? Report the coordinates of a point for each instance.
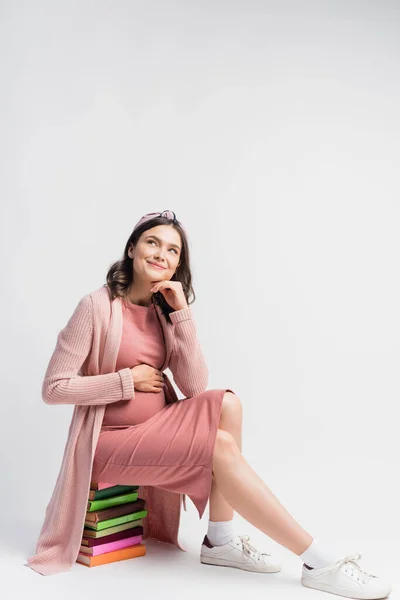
(181, 308)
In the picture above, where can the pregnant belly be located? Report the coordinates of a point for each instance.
(137, 410)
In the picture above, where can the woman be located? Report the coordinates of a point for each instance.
(128, 414)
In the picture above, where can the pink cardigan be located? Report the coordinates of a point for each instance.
(81, 371)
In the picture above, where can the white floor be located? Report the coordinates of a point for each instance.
(166, 572)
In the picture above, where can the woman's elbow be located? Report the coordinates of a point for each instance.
(47, 397)
(52, 393)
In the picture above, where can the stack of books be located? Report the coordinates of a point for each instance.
(113, 528)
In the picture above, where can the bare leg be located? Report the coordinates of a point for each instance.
(231, 421)
(246, 493)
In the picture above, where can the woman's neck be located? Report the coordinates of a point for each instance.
(142, 297)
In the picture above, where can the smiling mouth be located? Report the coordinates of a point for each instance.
(155, 266)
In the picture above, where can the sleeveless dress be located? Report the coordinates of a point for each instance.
(144, 441)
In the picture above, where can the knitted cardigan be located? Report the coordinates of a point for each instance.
(82, 372)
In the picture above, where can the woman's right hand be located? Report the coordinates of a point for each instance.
(147, 379)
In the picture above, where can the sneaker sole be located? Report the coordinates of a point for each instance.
(328, 588)
(220, 562)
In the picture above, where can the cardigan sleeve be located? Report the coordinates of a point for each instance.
(187, 363)
(63, 383)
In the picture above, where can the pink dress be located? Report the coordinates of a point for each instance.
(144, 441)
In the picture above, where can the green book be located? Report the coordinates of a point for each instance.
(93, 533)
(140, 514)
(93, 505)
(112, 491)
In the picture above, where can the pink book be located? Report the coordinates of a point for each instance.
(100, 485)
(103, 548)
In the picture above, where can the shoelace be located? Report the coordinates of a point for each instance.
(250, 549)
(352, 568)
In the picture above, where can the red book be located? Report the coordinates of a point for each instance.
(120, 535)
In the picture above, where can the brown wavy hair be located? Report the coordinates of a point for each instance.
(120, 274)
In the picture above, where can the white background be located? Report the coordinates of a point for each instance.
(272, 130)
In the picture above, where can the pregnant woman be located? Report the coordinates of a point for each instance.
(128, 427)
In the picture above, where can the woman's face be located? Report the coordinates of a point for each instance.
(160, 245)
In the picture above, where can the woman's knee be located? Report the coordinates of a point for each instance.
(231, 406)
(225, 445)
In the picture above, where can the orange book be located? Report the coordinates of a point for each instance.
(110, 557)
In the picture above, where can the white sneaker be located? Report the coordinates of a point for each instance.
(346, 578)
(238, 553)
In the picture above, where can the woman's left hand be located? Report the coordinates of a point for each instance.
(172, 292)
